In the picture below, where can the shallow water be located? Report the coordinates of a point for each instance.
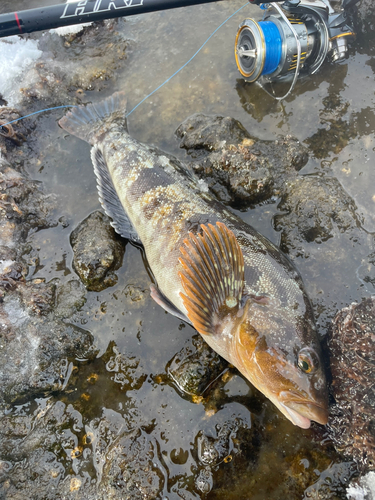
(123, 319)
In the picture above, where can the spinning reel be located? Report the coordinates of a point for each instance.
(292, 40)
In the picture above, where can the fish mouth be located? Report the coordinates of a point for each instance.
(301, 414)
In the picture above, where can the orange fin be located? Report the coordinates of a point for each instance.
(212, 276)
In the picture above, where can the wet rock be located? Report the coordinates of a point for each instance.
(331, 483)
(232, 444)
(10, 272)
(364, 22)
(321, 230)
(314, 209)
(299, 469)
(366, 272)
(133, 468)
(209, 133)
(221, 448)
(98, 252)
(238, 168)
(34, 344)
(68, 67)
(70, 298)
(55, 449)
(7, 130)
(204, 480)
(352, 358)
(195, 367)
(23, 206)
(127, 371)
(51, 447)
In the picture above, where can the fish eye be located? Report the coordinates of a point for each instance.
(307, 360)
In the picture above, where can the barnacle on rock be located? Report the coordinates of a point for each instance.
(352, 358)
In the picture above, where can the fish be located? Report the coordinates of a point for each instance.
(211, 269)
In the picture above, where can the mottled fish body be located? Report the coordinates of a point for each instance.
(212, 269)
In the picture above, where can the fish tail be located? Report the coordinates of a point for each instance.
(84, 121)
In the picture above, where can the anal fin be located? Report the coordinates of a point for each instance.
(166, 304)
(109, 198)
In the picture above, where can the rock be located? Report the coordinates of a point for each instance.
(195, 367)
(211, 132)
(98, 252)
(34, 343)
(127, 371)
(23, 206)
(67, 68)
(337, 129)
(314, 209)
(331, 484)
(213, 451)
(352, 357)
(70, 297)
(55, 448)
(132, 467)
(238, 168)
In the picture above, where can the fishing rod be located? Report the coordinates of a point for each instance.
(84, 11)
(293, 39)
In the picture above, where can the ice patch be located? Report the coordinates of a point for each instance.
(15, 312)
(17, 56)
(365, 490)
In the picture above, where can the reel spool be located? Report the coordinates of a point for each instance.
(292, 41)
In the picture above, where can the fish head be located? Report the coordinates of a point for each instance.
(271, 338)
(277, 350)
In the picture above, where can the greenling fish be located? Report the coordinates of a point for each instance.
(212, 269)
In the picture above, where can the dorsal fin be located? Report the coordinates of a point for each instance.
(212, 276)
(109, 198)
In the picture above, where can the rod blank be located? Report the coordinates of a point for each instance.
(84, 11)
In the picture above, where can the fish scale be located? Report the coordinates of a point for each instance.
(211, 268)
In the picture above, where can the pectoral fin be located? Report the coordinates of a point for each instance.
(212, 276)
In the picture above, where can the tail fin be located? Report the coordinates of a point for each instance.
(84, 121)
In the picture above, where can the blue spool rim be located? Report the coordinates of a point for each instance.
(273, 44)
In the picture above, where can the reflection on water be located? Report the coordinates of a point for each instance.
(121, 401)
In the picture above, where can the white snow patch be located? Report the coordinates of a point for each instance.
(17, 56)
(203, 186)
(4, 264)
(69, 30)
(365, 490)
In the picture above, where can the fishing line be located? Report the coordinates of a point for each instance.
(149, 95)
(182, 67)
(37, 112)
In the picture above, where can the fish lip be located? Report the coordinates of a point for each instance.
(302, 410)
(296, 417)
